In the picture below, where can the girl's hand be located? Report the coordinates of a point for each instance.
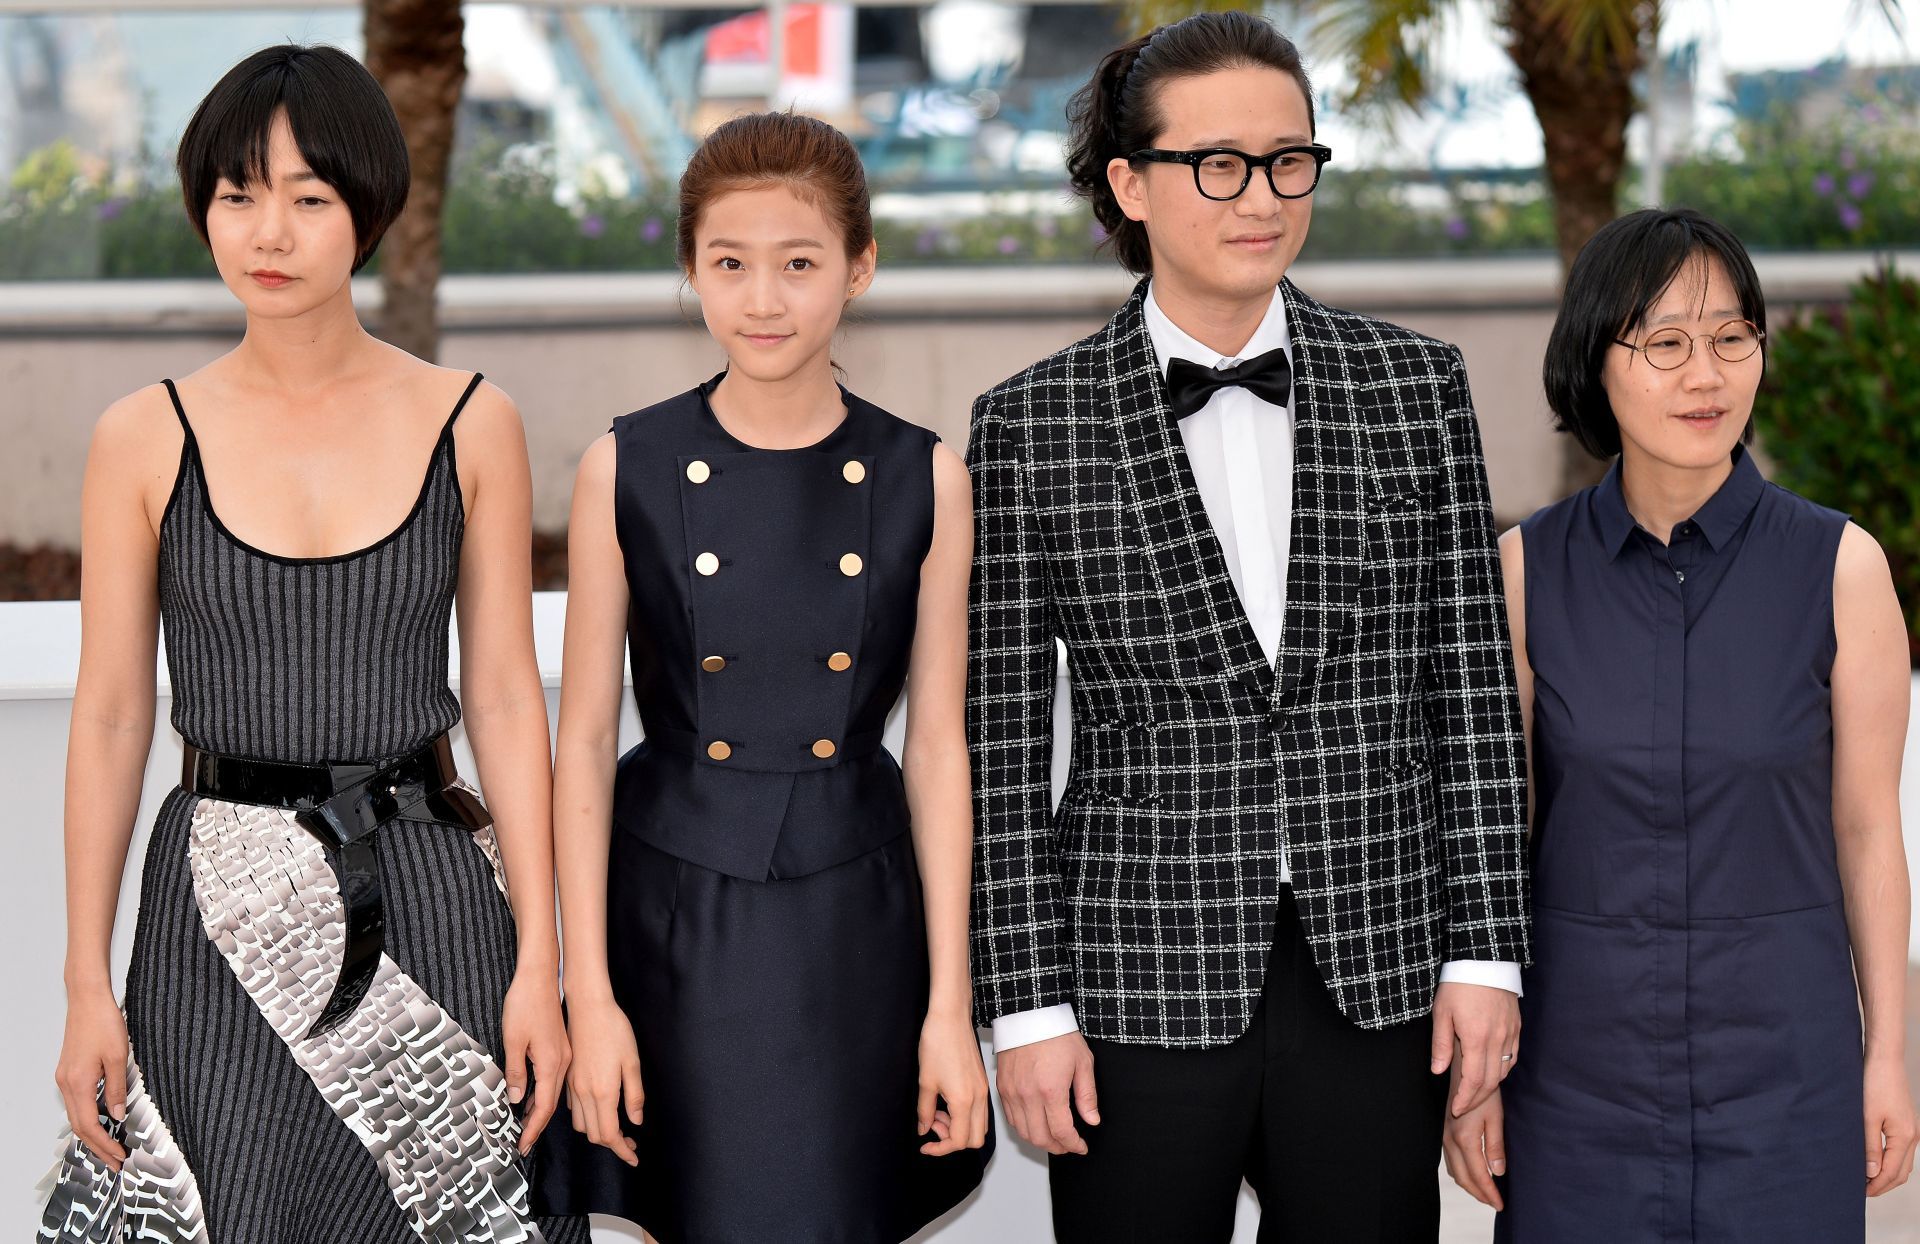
(606, 1069)
(93, 1066)
(1890, 1124)
(951, 1071)
(536, 1039)
(1475, 1145)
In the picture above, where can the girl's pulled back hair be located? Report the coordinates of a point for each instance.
(809, 157)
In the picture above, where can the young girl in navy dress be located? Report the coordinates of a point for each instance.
(766, 926)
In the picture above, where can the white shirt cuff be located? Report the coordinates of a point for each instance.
(1026, 1027)
(1499, 974)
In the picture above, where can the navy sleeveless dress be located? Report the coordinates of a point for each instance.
(764, 922)
(1691, 1055)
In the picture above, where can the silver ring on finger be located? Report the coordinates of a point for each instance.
(1506, 1058)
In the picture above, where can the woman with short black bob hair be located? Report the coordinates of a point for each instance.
(332, 1011)
(340, 118)
(1714, 673)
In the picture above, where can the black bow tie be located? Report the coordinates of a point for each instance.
(1267, 376)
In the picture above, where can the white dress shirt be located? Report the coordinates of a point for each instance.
(1241, 450)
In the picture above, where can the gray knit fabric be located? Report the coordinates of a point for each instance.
(311, 659)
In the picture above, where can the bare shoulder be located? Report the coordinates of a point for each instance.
(949, 473)
(1861, 564)
(597, 463)
(137, 442)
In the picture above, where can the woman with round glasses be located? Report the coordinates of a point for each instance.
(1715, 676)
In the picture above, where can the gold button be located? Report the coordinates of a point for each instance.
(839, 661)
(713, 665)
(823, 748)
(719, 750)
(698, 471)
(854, 471)
(849, 565)
(707, 563)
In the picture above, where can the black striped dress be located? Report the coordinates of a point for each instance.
(240, 1128)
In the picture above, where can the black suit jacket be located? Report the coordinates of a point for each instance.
(1381, 753)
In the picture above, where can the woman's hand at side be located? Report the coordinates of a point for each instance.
(605, 1075)
(951, 1073)
(92, 1068)
(1475, 1145)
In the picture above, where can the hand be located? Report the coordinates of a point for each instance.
(951, 1071)
(606, 1069)
(93, 1065)
(1036, 1083)
(1475, 1144)
(536, 1039)
(1890, 1124)
(1483, 1023)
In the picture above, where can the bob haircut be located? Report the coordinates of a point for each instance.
(1619, 274)
(341, 121)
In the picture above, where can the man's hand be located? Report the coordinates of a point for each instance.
(1038, 1081)
(1477, 1024)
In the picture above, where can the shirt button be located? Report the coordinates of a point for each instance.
(719, 749)
(850, 565)
(823, 748)
(839, 662)
(713, 665)
(707, 563)
(698, 471)
(854, 471)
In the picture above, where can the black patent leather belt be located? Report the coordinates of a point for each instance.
(687, 743)
(343, 805)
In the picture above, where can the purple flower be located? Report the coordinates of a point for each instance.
(927, 242)
(651, 229)
(1008, 244)
(593, 226)
(1859, 184)
(1871, 114)
(1850, 218)
(1823, 185)
(1098, 233)
(111, 208)
(1048, 227)
(1846, 157)
(1456, 228)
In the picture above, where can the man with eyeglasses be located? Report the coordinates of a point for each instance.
(1283, 897)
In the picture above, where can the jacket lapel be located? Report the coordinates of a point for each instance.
(1183, 553)
(1329, 523)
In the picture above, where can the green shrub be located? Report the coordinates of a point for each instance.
(1840, 418)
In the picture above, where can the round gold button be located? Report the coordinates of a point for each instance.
(839, 661)
(707, 563)
(698, 471)
(849, 565)
(854, 471)
(713, 665)
(719, 750)
(823, 748)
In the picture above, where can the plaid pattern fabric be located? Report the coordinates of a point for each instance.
(1381, 752)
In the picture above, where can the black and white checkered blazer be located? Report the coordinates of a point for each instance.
(1381, 752)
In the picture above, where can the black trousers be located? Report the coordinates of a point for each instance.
(1337, 1128)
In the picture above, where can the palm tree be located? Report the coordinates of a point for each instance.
(1577, 61)
(414, 48)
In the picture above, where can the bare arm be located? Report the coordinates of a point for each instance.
(606, 1061)
(130, 471)
(1870, 693)
(940, 798)
(506, 715)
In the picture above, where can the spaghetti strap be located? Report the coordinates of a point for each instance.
(178, 409)
(462, 403)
